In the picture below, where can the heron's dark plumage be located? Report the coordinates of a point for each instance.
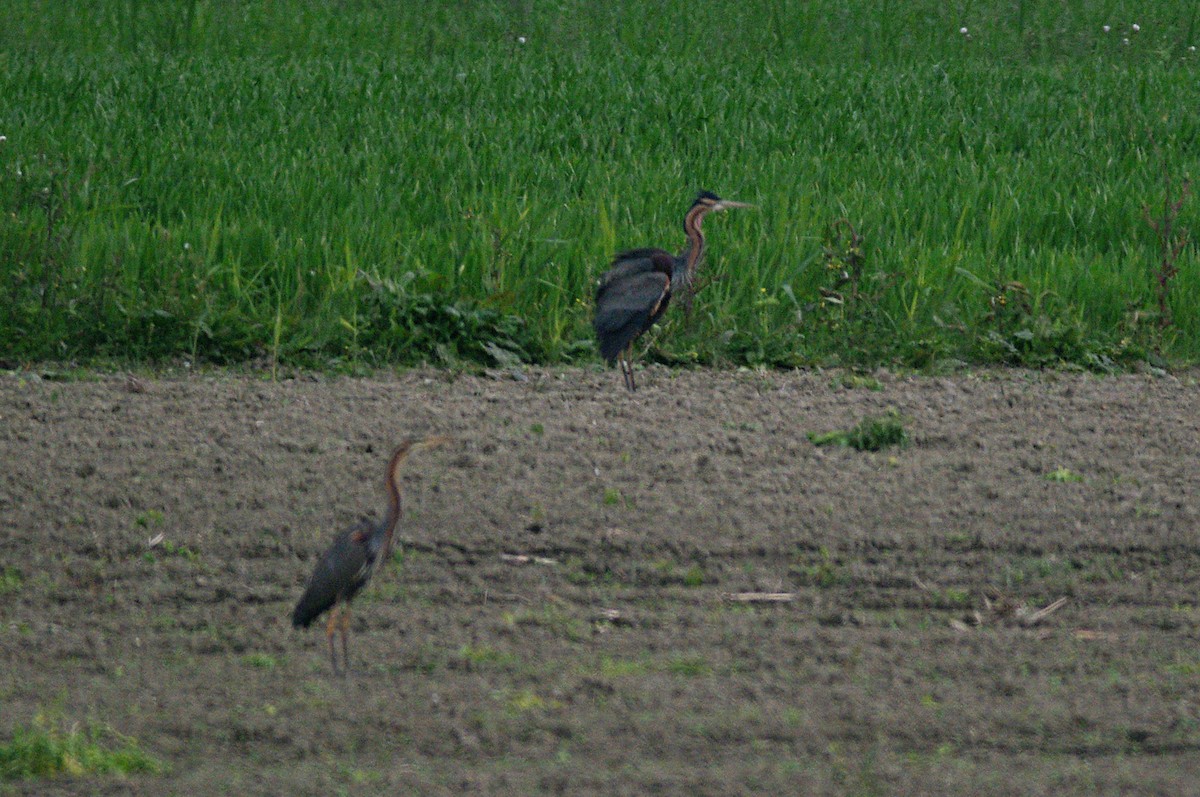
(631, 297)
(341, 572)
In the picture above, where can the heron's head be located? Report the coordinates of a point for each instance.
(706, 202)
(711, 202)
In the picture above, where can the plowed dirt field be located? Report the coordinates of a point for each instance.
(669, 592)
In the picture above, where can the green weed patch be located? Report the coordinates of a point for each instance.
(44, 750)
(870, 434)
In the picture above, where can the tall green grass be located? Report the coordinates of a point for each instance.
(316, 182)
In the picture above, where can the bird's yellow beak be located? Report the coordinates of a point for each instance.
(729, 203)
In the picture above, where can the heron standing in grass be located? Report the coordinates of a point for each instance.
(353, 558)
(637, 288)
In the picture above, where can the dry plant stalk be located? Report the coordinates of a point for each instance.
(525, 559)
(1171, 242)
(1030, 617)
(760, 597)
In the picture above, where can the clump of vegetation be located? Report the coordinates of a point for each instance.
(261, 660)
(404, 324)
(689, 665)
(666, 571)
(520, 701)
(171, 549)
(1023, 328)
(849, 296)
(44, 750)
(484, 655)
(149, 518)
(1063, 475)
(873, 433)
(10, 580)
(825, 572)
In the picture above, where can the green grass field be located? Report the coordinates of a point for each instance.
(360, 183)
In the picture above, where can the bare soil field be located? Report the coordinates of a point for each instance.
(669, 592)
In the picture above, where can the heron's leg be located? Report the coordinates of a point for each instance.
(346, 637)
(330, 630)
(629, 364)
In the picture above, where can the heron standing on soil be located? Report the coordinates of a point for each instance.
(635, 291)
(350, 562)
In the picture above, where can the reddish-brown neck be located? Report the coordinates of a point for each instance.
(393, 491)
(694, 249)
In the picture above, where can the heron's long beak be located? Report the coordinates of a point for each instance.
(729, 203)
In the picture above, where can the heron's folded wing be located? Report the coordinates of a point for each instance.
(626, 308)
(339, 574)
(627, 264)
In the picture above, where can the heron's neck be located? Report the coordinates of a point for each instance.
(388, 527)
(693, 250)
